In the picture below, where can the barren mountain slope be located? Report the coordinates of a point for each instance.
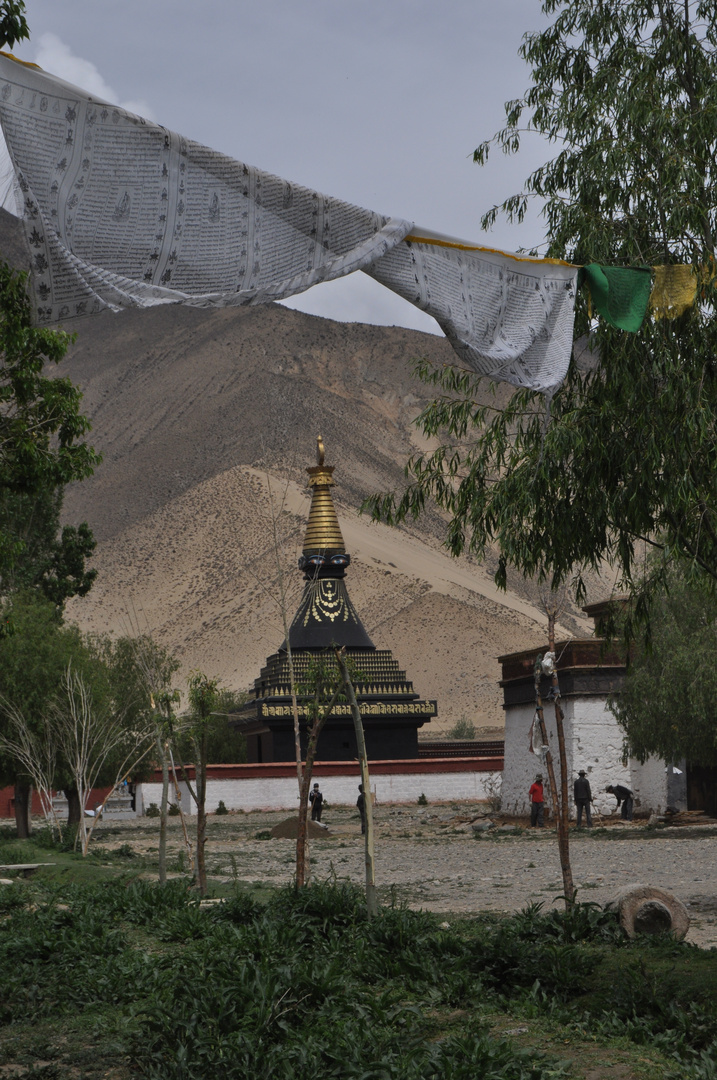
(178, 395)
(193, 410)
(201, 574)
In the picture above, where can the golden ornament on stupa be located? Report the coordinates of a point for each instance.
(323, 532)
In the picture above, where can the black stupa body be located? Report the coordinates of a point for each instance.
(391, 711)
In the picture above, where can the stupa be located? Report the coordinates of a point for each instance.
(391, 710)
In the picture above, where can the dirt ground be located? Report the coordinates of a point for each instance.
(429, 857)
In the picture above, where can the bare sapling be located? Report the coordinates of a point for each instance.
(321, 691)
(37, 752)
(164, 732)
(155, 668)
(89, 734)
(371, 897)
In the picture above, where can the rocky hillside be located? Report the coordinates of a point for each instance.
(206, 421)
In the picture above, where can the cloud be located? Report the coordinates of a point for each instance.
(55, 57)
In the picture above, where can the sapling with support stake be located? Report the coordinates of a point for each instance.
(321, 682)
(371, 898)
(546, 665)
(203, 693)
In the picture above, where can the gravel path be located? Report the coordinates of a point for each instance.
(430, 859)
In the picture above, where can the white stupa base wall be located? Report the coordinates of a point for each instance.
(593, 741)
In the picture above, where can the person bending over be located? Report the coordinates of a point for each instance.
(624, 796)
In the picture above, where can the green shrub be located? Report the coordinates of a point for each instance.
(173, 810)
(422, 800)
(463, 729)
(152, 810)
(221, 808)
(305, 985)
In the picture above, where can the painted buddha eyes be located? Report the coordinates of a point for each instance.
(319, 560)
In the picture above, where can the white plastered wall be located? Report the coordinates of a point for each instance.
(276, 793)
(593, 741)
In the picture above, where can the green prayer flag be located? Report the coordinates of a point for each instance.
(620, 294)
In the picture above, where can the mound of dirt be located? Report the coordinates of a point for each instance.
(289, 829)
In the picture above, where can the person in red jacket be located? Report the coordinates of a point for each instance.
(537, 802)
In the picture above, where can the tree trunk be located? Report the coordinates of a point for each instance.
(74, 810)
(294, 703)
(548, 756)
(201, 773)
(302, 862)
(23, 802)
(161, 746)
(563, 816)
(201, 840)
(371, 898)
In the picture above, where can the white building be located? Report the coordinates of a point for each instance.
(593, 739)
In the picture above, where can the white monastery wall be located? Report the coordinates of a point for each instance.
(520, 765)
(596, 746)
(593, 741)
(152, 793)
(658, 786)
(280, 793)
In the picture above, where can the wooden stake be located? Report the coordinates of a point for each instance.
(371, 899)
(564, 815)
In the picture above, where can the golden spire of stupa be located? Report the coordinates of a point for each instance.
(322, 530)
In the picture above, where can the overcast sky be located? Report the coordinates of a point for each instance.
(379, 102)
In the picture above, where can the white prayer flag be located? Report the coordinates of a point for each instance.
(121, 212)
(506, 316)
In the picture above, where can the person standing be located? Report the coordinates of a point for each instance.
(583, 797)
(317, 800)
(624, 796)
(361, 804)
(537, 802)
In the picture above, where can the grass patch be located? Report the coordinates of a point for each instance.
(109, 975)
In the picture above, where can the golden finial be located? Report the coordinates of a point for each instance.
(323, 532)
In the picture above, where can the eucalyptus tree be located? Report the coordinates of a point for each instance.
(623, 456)
(42, 449)
(668, 702)
(13, 24)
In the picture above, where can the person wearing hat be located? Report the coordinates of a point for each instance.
(316, 799)
(537, 802)
(583, 797)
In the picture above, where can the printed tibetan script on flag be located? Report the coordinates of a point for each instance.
(121, 212)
